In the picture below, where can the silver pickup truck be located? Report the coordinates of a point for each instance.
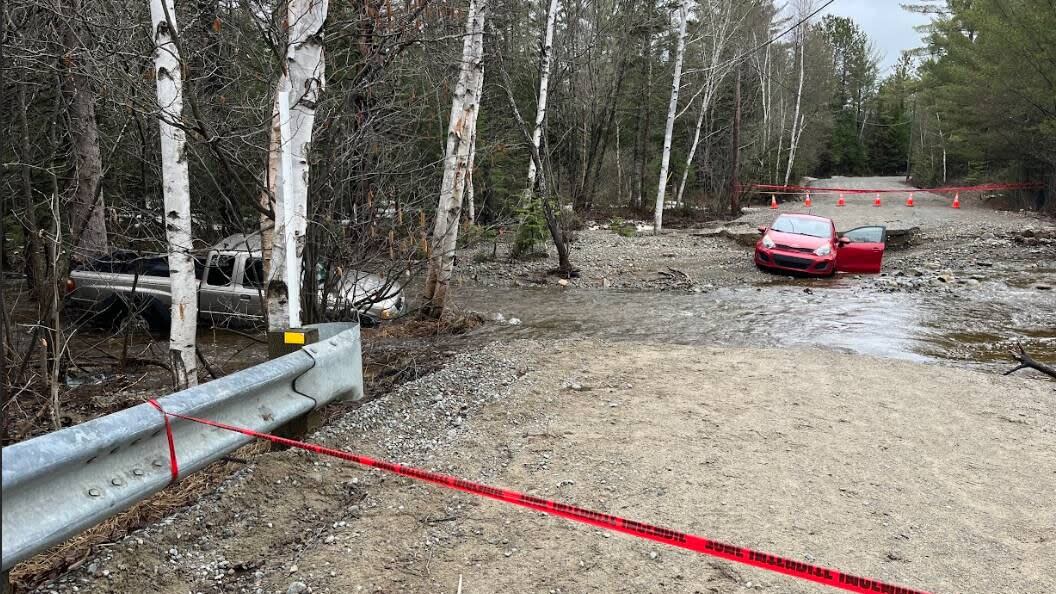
(230, 288)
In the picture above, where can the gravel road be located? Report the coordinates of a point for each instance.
(935, 478)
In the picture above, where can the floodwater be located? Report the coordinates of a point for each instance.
(846, 313)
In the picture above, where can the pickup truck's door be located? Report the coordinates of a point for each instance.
(251, 288)
(217, 297)
(861, 250)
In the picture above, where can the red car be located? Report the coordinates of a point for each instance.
(806, 244)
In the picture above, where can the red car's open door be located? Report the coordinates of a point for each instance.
(861, 250)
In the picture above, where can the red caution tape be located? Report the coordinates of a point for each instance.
(174, 465)
(993, 187)
(699, 544)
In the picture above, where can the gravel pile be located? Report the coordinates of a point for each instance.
(420, 416)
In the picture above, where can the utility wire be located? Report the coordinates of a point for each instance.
(737, 59)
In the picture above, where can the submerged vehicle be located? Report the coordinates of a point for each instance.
(810, 245)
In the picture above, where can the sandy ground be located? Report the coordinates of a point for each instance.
(935, 478)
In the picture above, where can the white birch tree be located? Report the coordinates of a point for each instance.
(470, 194)
(798, 119)
(672, 109)
(546, 54)
(721, 26)
(460, 132)
(176, 189)
(304, 80)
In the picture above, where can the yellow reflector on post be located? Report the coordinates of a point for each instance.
(293, 337)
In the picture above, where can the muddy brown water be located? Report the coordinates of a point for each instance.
(974, 325)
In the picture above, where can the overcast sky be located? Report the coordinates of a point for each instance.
(889, 27)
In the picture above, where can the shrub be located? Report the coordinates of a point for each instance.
(623, 228)
(531, 231)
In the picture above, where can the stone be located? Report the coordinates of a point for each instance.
(298, 588)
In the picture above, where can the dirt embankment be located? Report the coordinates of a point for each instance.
(935, 478)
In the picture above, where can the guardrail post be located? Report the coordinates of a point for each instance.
(284, 342)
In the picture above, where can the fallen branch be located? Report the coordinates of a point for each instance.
(213, 371)
(1026, 361)
(677, 278)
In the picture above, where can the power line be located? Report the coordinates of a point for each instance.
(737, 59)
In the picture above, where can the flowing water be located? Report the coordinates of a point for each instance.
(842, 313)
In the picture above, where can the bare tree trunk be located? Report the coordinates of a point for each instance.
(304, 80)
(177, 196)
(780, 140)
(269, 196)
(764, 81)
(672, 109)
(721, 28)
(470, 192)
(797, 119)
(641, 141)
(460, 131)
(619, 166)
(545, 56)
(56, 338)
(942, 140)
(735, 149)
(692, 151)
(87, 212)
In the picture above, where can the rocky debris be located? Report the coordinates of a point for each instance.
(443, 398)
(742, 234)
(1039, 234)
(298, 588)
(604, 259)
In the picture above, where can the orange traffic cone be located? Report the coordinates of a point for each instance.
(807, 201)
(909, 201)
(957, 200)
(877, 201)
(773, 201)
(841, 201)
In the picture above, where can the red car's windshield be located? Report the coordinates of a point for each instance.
(811, 227)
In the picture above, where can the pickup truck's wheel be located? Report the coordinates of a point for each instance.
(110, 313)
(156, 314)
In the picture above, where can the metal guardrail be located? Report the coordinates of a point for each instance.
(60, 484)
